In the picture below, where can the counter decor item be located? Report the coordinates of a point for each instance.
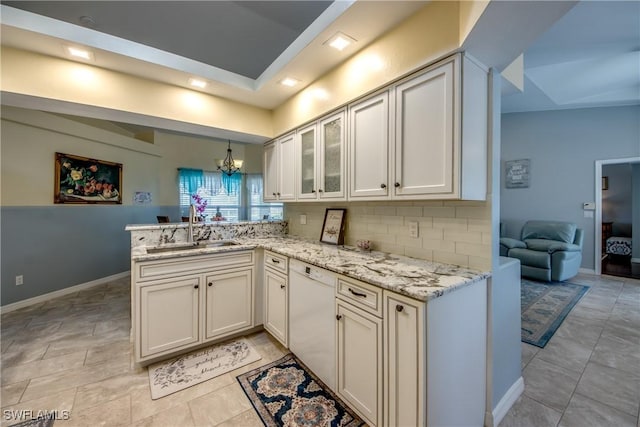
(364, 245)
(333, 226)
(83, 180)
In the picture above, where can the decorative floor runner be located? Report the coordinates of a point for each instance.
(544, 307)
(286, 393)
(193, 368)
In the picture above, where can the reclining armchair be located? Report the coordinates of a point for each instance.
(547, 250)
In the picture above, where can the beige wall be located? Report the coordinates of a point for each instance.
(30, 139)
(429, 34)
(453, 232)
(53, 78)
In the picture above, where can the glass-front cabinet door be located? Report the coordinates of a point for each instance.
(332, 157)
(307, 144)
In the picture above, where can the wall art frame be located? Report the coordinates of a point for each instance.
(81, 180)
(333, 226)
(517, 173)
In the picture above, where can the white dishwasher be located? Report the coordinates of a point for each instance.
(312, 319)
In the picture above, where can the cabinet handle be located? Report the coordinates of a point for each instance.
(274, 194)
(196, 287)
(278, 194)
(210, 283)
(358, 294)
(338, 316)
(383, 185)
(399, 308)
(276, 261)
(320, 190)
(397, 184)
(282, 286)
(313, 191)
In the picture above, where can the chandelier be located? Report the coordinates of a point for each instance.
(229, 166)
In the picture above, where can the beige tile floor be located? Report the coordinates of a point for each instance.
(73, 354)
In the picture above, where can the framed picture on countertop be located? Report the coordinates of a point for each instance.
(333, 226)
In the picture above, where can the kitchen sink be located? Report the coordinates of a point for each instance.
(192, 246)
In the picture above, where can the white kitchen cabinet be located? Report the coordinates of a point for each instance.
(369, 148)
(440, 125)
(360, 361)
(276, 305)
(229, 302)
(405, 362)
(435, 358)
(279, 169)
(182, 302)
(306, 155)
(331, 178)
(158, 331)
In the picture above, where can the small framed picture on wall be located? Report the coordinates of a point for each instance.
(517, 173)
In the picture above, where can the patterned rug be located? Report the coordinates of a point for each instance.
(286, 393)
(198, 366)
(38, 422)
(544, 307)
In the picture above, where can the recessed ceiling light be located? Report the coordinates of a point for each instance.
(289, 81)
(201, 84)
(340, 41)
(79, 53)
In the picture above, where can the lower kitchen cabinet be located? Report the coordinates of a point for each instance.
(182, 302)
(160, 332)
(276, 313)
(360, 361)
(405, 361)
(229, 302)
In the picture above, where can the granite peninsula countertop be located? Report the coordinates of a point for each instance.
(418, 279)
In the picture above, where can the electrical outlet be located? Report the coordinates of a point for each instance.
(303, 219)
(413, 229)
(19, 280)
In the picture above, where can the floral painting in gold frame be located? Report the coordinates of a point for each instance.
(83, 180)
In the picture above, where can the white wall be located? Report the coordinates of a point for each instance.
(563, 147)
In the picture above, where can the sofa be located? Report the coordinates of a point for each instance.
(547, 250)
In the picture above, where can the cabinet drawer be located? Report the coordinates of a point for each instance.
(276, 262)
(360, 294)
(149, 270)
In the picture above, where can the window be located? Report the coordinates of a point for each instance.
(237, 198)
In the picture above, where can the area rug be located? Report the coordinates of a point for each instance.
(38, 422)
(286, 393)
(198, 366)
(544, 307)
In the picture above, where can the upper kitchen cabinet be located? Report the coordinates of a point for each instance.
(307, 139)
(279, 169)
(321, 158)
(369, 148)
(441, 132)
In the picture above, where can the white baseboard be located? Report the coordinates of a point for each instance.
(587, 271)
(55, 294)
(507, 401)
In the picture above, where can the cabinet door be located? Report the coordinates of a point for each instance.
(332, 157)
(169, 315)
(425, 134)
(286, 168)
(270, 158)
(276, 309)
(369, 148)
(405, 400)
(306, 163)
(229, 302)
(360, 361)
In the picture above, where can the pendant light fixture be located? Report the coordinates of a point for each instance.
(229, 166)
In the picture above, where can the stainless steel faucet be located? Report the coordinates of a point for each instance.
(192, 219)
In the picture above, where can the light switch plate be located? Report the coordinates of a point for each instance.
(589, 206)
(413, 229)
(303, 219)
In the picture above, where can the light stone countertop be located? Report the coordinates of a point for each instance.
(418, 279)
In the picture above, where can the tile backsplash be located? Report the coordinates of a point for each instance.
(452, 232)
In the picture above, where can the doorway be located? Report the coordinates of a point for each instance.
(614, 225)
